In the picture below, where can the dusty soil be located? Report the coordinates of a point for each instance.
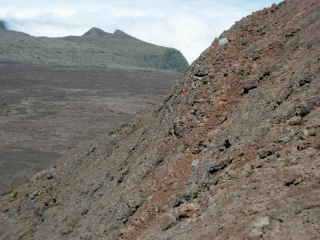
(46, 111)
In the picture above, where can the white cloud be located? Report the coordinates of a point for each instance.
(26, 14)
(127, 12)
(64, 12)
(187, 33)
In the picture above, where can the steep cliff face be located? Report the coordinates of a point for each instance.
(233, 153)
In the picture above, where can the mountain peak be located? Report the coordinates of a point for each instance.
(96, 32)
(121, 34)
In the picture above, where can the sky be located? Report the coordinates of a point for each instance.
(187, 25)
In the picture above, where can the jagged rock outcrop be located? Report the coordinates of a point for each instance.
(233, 153)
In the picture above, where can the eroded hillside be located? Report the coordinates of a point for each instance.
(233, 152)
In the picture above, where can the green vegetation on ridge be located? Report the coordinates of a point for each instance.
(3, 25)
(95, 48)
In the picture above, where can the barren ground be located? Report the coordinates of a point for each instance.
(44, 112)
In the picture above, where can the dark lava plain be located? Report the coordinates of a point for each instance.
(46, 111)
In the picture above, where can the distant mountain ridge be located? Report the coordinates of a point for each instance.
(96, 32)
(95, 48)
(99, 33)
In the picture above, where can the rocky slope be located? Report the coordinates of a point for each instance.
(95, 48)
(233, 152)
